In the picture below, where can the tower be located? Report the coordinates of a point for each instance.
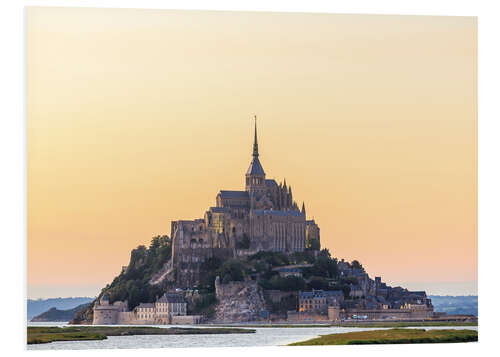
(255, 176)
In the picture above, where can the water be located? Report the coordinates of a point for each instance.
(275, 336)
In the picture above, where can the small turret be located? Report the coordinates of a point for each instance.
(303, 208)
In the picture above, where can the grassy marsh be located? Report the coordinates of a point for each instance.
(82, 333)
(392, 336)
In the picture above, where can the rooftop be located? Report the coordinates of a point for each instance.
(219, 209)
(255, 167)
(271, 182)
(146, 305)
(171, 298)
(319, 294)
(234, 194)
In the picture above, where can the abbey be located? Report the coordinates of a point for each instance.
(263, 217)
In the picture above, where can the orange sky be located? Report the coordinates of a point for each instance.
(138, 117)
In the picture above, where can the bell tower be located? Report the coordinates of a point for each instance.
(255, 178)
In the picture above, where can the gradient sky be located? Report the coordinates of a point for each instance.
(136, 118)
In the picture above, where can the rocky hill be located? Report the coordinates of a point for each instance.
(55, 314)
(456, 305)
(37, 306)
(141, 281)
(249, 286)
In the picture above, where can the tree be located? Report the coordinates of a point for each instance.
(318, 283)
(351, 279)
(133, 284)
(232, 270)
(357, 265)
(208, 273)
(272, 258)
(324, 266)
(289, 283)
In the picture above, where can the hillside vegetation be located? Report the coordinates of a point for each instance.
(132, 284)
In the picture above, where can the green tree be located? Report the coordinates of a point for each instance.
(232, 270)
(289, 283)
(318, 283)
(208, 272)
(357, 265)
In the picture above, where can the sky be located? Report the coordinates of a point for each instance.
(136, 118)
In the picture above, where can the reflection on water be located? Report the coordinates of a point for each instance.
(263, 337)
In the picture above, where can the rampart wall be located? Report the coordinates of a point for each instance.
(389, 313)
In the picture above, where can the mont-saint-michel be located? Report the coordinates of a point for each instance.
(158, 204)
(253, 257)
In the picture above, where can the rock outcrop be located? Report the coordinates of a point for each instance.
(239, 301)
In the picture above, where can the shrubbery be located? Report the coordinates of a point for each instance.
(132, 284)
(289, 283)
(274, 259)
(232, 270)
(204, 305)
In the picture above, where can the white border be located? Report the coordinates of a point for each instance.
(12, 141)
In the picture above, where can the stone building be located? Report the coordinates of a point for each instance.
(163, 310)
(264, 216)
(312, 230)
(319, 300)
(108, 314)
(168, 309)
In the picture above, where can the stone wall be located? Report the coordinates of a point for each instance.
(126, 318)
(390, 313)
(276, 296)
(105, 315)
(186, 320)
(239, 301)
(187, 263)
(295, 316)
(333, 313)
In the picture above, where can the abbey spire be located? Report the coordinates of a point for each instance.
(255, 176)
(255, 144)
